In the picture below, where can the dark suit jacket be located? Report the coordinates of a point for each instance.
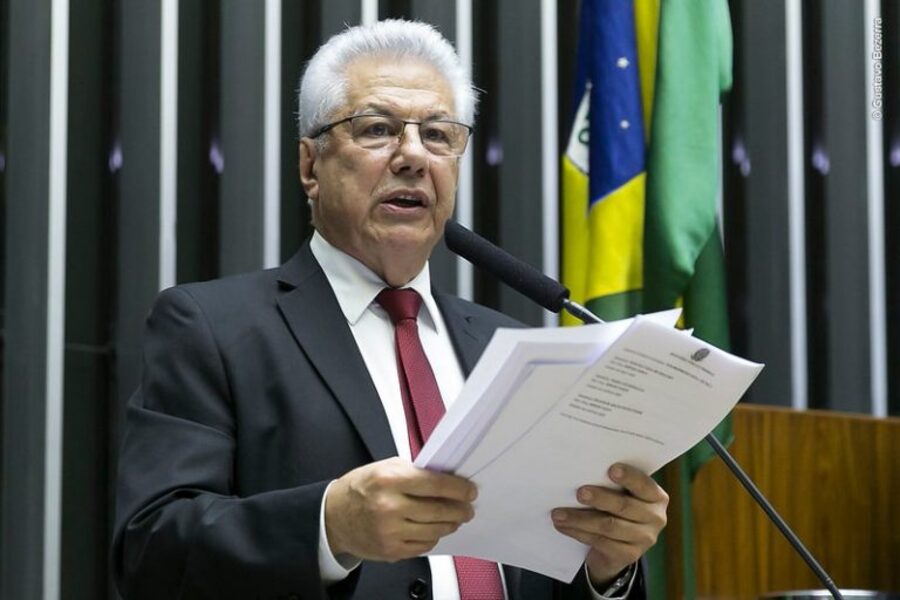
(253, 397)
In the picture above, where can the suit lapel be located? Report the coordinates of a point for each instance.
(317, 323)
(313, 315)
(469, 337)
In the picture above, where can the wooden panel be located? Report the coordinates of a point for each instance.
(835, 478)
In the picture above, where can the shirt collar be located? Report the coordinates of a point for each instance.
(356, 286)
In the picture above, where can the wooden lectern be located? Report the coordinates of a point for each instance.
(834, 477)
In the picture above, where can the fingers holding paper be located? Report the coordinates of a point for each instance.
(390, 510)
(618, 525)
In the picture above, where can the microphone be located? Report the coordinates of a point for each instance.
(512, 271)
(554, 296)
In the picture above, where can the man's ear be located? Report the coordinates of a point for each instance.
(308, 170)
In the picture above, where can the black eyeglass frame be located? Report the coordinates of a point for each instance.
(329, 126)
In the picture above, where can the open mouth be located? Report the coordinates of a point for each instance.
(403, 202)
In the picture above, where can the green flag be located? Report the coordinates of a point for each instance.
(683, 260)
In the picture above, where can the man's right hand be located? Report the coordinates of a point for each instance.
(390, 510)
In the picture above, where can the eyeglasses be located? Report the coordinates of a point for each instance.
(373, 132)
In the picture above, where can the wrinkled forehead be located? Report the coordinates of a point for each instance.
(397, 85)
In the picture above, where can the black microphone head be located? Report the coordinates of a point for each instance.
(516, 273)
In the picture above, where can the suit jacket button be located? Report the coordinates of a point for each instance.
(418, 589)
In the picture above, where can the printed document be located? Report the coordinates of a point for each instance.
(548, 410)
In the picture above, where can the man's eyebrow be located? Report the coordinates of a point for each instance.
(388, 111)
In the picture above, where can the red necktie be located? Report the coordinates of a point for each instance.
(422, 403)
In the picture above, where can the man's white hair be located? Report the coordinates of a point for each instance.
(323, 88)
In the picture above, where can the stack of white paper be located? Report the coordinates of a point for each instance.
(548, 410)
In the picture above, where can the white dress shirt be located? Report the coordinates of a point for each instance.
(355, 286)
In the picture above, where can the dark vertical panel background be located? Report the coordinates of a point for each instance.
(814, 176)
(4, 85)
(243, 128)
(199, 140)
(397, 9)
(90, 232)
(487, 147)
(336, 15)
(846, 218)
(736, 168)
(567, 44)
(519, 91)
(25, 342)
(440, 14)
(760, 176)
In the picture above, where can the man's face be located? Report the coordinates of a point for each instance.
(386, 207)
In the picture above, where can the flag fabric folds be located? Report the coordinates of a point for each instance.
(606, 209)
(641, 180)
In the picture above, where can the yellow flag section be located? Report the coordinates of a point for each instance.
(576, 234)
(603, 168)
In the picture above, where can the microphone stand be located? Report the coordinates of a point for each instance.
(586, 316)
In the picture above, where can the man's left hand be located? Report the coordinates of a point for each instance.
(619, 526)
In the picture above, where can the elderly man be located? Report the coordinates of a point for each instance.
(268, 449)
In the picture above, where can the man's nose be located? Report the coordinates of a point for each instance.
(410, 154)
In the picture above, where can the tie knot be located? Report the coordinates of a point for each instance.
(400, 304)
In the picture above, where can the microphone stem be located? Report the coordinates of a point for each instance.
(580, 312)
(587, 316)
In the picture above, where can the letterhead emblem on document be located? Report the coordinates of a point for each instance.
(700, 354)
